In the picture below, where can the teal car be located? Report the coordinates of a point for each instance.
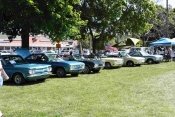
(60, 67)
(20, 71)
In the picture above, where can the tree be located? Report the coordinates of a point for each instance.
(160, 26)
(108, 18)
(55, 18)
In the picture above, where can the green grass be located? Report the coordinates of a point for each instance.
(146, 91)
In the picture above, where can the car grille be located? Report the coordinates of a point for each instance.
(78, 66)
(41, 70)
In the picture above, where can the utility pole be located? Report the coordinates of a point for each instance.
(166, 18)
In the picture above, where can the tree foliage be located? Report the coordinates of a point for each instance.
(55, 18)
(107, 18)
(163, 25)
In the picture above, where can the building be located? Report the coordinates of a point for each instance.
(38, 42)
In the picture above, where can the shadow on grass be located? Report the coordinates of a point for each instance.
(67, 76)
(11, 83)
(112, 68)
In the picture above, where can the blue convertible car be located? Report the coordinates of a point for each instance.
(60, 67)
(19, 70)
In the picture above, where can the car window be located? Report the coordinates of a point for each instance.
(145, 54)
(14, 60)
(136, 54)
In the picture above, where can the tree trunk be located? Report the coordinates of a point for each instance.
(94, 42)
(25, 38)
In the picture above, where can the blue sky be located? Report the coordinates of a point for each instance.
(163, 2)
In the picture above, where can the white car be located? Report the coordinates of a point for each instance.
(5, 52)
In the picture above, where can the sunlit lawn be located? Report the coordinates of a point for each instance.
(146, 91)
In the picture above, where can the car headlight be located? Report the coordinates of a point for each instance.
(72, 67)
(96, 65)
(49, 69)
(31, 71)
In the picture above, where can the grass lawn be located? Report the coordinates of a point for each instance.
(146, 91)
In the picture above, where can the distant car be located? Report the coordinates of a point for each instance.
(131, 61)
(150, 59)
(19, 70)
(86, 52)
(36, 52)
(60, 67)
(111, 61)
(65, 53)
(5, 52)
(50, 51)
(90, 65)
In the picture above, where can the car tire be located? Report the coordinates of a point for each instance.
(107, 65)
(130, 63)
(86, 70)
(18, 79)
(60, 72)
(150, 61)
(74, 74)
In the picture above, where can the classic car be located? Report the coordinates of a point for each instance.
(111, 62)
(19, 70)
(150, 59)
(90, 65)
(60, 67)
(131, 61)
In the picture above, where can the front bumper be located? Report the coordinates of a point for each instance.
(38, 76)
(158, 60)
(75, 71)
(98, 68)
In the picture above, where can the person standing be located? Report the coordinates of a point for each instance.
(1, 83)
(1, 79)
(171, 52)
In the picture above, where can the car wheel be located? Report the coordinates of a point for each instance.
(150, 61)
(86, 70)
(108, 65)
(74, 74)
(96, 71)
(60, 72)
(130, 63)
(18, 79)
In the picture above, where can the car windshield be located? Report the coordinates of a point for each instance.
(124, 54)
(14, 60)
(103, 56)
(79, 57)
(54, 57)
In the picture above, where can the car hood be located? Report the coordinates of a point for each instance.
(24, 52)
(31, 66)
(70, 62)
(154, 55)
(95, 61)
